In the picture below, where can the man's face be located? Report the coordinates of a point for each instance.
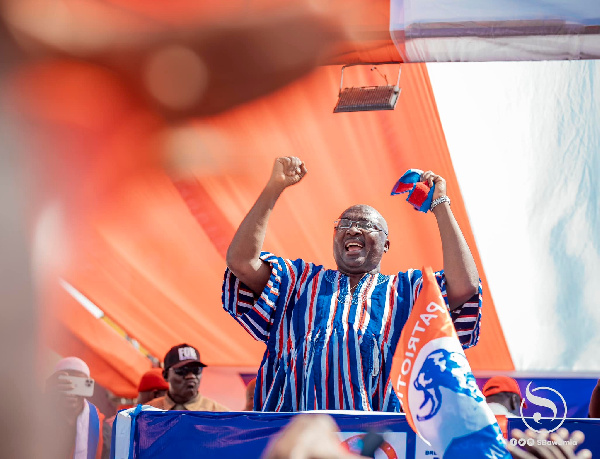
(183, 383)
(359, 251)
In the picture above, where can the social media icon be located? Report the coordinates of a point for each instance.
(513, 441)
(522, 442)
(530, 441)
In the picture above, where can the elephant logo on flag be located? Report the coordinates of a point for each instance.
(436, 387)
(444, 369)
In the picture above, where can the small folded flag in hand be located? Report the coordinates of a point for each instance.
(419, 193)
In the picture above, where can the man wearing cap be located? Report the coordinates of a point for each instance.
(503, 396)
(183, 371)
(152, 385)
(78, 422)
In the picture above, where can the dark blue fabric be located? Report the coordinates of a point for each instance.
(576, 392)
(93, 431)
(169, 434)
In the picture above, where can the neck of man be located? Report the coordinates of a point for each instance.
(181, 400)
(356, 277)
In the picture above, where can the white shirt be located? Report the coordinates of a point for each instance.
(81, 439)
(498, 408)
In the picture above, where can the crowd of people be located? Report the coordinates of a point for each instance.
(175, 386)
(87, 434)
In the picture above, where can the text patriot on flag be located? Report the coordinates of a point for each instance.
(436, 387)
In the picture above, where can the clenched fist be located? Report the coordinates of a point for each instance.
(431, 179)
(287, 171)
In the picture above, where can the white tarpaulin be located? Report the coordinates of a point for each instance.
(495, 30)
(524, 138)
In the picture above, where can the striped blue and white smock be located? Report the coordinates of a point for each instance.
(329, 347)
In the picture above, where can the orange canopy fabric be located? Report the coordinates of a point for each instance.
(148, 249)
(114, 362)
(154, 258)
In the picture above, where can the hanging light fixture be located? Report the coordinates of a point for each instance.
(367, 98)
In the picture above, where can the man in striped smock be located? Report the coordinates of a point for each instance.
(331, 334)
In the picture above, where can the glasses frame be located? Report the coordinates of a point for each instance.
(375, 226)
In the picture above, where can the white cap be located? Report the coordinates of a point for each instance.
(74, 364)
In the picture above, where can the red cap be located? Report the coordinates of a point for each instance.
(153, 380)
(497, 384)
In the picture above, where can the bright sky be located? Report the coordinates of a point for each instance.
(525, 142)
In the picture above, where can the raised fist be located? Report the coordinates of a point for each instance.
(287, 171)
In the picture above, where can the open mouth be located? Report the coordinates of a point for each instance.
(353, 246)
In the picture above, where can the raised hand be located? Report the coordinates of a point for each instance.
(440, 183)
(59, 383)
(287, 171)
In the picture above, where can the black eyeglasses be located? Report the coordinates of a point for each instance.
(363, 225)
(183, 371)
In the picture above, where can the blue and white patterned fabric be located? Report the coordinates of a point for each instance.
(329, 347)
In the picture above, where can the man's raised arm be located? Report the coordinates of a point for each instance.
(243, 254)
(459, 267)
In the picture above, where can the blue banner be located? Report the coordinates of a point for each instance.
(167, 434)
(575, 391)
(589, 427)
(171, 434)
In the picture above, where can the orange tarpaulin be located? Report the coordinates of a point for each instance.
(155, 266)
(149, 250)
(114, 362)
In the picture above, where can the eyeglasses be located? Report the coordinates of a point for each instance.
(363, 225)
(183, 371)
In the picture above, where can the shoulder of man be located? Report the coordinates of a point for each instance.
(208, 404)
(159, 402)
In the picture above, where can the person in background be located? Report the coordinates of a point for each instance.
(594, 410)
(503, 396)
(250, 395)
(151, 386)
(183, 371)
(78, 422)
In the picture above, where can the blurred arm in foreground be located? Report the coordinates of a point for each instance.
(175, 71)
(182, 71)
